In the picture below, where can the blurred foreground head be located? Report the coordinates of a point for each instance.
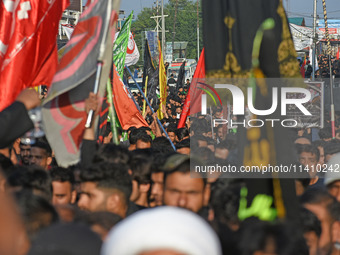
(162, 230)
(66, 239)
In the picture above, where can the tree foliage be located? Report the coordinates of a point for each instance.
(185, 27)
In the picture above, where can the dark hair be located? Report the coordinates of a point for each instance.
(134, 134)
(204, 153)
(161, 145)
(200, 126)
(181, 133)
(171, 129)
(31, 178)
(227, 144)
(62, 174)
(144, 129)
(308, 148)
(182, 167)
(325, 133)
(225, 200)
(43, 145)
(112, 153)
(144, 138)
(36, 212)
(141, 170)
(5, 165)
(332, 147)
(185, 143)
(316, 195)
(158, 161)
(254, 236)
(309, 222)
(131, 128)
(109, 175)
(319, 143)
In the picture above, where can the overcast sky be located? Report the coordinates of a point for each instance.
(296, 8)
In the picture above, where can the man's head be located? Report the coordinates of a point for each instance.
(302, 140)
(33, 179)
(105, 187)
(172, 134)
(320, 144)
(223, 149)
(143, 141)
(141, 180)
(311, 228)
(112, 153)
(182, 133)
(318, 201)
(37, 213)
(325, 134)
(221, 133)
(157, 180)
(25, 152)
(183, 147)
(182, 189)
(41, 154)
(309, 157)
(63, 186)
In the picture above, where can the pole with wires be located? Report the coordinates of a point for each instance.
(314, 42)
(330, 68)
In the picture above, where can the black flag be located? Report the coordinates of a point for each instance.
(180, 77)
(151, 74)
(230, 28)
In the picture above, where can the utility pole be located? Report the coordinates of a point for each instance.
(314, 41)
(163, 30)
(174, 32)
(162, 27)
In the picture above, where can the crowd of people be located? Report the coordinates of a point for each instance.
(322, 67)
(141, 197)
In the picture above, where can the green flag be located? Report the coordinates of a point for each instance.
(120, 45)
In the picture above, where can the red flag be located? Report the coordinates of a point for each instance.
(192, 103)
(302, 68)
(338, 54)
(63, 109)
(127, 112)
(28, 47)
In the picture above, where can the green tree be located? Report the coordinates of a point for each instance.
(185, 27)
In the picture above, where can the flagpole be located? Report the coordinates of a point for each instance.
(153, 112)
(146, 93)
(95, 90)
(112, 112)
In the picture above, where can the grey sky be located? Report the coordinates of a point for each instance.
(296, 8)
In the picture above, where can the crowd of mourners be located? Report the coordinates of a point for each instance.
(140, 198)
(322, 68)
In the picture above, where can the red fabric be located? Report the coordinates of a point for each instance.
(338, 54)
(127, 112)
(192, 103)
(28, 48)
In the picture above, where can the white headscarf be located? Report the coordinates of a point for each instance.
(162, 228)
